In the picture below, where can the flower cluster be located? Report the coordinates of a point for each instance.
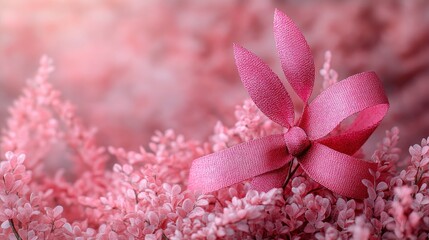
(70, 188)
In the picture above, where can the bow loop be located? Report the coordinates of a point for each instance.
(352, 138)
(264, 87)
(352, 95)
(295, 55)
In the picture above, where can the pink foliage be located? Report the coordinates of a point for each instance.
(65, 186)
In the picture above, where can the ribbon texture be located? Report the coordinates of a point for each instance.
(326, 158)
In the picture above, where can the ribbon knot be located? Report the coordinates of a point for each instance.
(325, 155)
(297, 141)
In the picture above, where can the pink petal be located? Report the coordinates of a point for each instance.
(424, 161)
(5, 224)
(187, 205)
(153, 218)
(196, 212)
(9, 180)
(382, 186)
(57, 211)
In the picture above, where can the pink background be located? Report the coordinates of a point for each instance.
(132, 67)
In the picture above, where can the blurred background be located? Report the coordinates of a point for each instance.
(132, 66)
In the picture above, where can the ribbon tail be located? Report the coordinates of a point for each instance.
(270, 180)
(238, 163)
(336, 171)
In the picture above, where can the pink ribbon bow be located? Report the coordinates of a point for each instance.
(326, 158)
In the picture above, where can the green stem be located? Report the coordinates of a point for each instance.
(290, 173)
(12, 225)
(164, 237)
(416, 179)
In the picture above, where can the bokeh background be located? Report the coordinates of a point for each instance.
(132, 66)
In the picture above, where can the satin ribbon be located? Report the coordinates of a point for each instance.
(326, 158)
